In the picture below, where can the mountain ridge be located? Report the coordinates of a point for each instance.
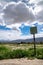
(24, 40)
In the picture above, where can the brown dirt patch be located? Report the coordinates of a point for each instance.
(22, 61)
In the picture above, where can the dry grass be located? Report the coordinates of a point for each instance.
(22, 46)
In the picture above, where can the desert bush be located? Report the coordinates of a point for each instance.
(18, 53)
(31, 52)
(4, 52)
(7, 53)
(39, 53)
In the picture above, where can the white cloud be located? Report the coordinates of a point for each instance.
(34, 1)
(1, 21)
(14, 35)
(17, 13)
(9, 35)
(39, 11)
(14, 27)
(14, 14)
(1, 12)
(40, 16)
(3, 2)
(40, 3)
(1, 8)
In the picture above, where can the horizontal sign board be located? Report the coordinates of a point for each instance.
(33, 30)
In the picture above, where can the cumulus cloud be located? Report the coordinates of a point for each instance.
(17, 13)
(1, 12)
(1, 8)
(9, 35)
(34, 1)
(39, 11)
(15, 0)
(40, 3)
(40, 16)
(1, 21)
(3, 2)
(12, 35)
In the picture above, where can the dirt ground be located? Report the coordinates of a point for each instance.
(22, 61)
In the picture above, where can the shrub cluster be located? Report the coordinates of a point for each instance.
(39, 53)
(6, 53)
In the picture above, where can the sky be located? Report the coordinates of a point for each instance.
(17, 16)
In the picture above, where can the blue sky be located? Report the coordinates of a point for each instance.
(25, 30)
(4, 28)
(17, 16)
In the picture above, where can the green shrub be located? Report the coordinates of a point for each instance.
(18, 53)
(7, 53)
(4, 52)
(39, 57)
(30, 53)
(1, 57)
(40, 53)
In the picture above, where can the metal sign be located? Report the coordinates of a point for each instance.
(33, 30)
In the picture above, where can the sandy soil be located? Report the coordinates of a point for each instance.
(22, 61)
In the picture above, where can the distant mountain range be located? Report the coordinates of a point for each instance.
(29, 40)
(24, 40)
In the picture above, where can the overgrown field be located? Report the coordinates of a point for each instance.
(10, 51)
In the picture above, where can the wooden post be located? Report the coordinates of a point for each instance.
(33, 30)
(34, 44)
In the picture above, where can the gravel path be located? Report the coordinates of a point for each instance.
(22, 61)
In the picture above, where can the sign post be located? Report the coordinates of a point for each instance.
(34, 45)
(33, 30)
